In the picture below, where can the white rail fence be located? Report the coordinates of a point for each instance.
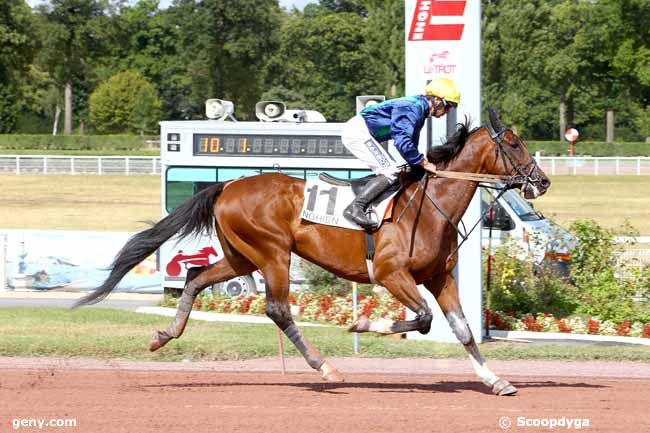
(47, 164)
(55, 164)
(566, 165)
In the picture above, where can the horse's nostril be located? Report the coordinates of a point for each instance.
(546, 183)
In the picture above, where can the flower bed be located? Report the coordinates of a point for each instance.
(574, 325)
(338, 311)
(320, 308)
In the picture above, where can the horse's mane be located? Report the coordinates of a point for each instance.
(453, 145)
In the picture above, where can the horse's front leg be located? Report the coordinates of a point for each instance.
(446, 293)
(402, 285)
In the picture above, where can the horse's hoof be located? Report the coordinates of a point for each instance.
(503, 387)
(361, 325)
(158, 340)
(330, 374)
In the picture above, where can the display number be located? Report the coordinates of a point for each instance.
(211, 144)
(314, 193)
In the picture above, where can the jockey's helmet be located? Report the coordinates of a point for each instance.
(445, 89)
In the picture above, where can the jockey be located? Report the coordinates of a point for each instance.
(398, 119)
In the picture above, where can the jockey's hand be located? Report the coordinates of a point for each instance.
(428, 166)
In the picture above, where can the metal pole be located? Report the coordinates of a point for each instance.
(489, 273)
(355, 338)
(281, 351)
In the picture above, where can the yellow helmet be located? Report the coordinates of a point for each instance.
(443, 88)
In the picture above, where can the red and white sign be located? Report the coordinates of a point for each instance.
(571, 135)
(443, 39)
(426, 26)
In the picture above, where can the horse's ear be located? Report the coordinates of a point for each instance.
(495, 121)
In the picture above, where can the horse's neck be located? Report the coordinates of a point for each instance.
(455, 195)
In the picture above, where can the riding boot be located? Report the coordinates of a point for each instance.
(356, 211)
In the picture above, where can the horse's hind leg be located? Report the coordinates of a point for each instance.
(276, 277)
(197, 280)
(446, 293)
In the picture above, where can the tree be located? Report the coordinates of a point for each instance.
(127, 102)
(321, 57)
(224, 44)
(384, 43)
(71, 31)
(16, 51)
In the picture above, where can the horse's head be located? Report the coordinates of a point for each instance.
(512, 159)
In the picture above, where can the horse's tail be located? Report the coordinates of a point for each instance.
(196, 215)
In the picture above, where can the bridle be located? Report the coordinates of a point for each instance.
(526, 174)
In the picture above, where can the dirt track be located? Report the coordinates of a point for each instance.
(221, 397)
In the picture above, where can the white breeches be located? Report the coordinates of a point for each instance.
(357, 139)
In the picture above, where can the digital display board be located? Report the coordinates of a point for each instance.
(270, 145)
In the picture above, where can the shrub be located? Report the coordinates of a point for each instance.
(519, 286)
(320, 281)
(595, 271)
(126, 102)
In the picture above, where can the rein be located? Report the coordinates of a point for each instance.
(524, 175)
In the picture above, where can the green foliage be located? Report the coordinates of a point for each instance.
(595, 271)
(321, 58)
(518, 286)
(318, 280)
(9, 142)
(591, 148)
(127, 102)
(16, 51)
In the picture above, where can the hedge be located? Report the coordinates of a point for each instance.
(9, 142)
(589, 148)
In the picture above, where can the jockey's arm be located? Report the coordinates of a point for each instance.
(403, 123)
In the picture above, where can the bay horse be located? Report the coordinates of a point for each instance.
(257, 221)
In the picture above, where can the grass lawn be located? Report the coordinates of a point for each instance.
(609, 200)
(120, 203)
(66, 202)
(113, 334)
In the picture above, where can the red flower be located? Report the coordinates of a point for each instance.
(531, 324)
(563, 326)
(593, 327)
(646, 331)
(623, 329)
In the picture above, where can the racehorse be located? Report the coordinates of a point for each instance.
(257, 221)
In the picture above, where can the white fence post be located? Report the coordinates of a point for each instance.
(45, 165)
(99, 165)
(18, 165)
(3, 261)
(638, 166)
(127, 165)
(575, 166)
(153, 166)
(553, 166)
(596, 166)
(72, 165)
(618, 166)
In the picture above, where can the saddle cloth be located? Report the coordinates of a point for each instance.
(324, 203)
